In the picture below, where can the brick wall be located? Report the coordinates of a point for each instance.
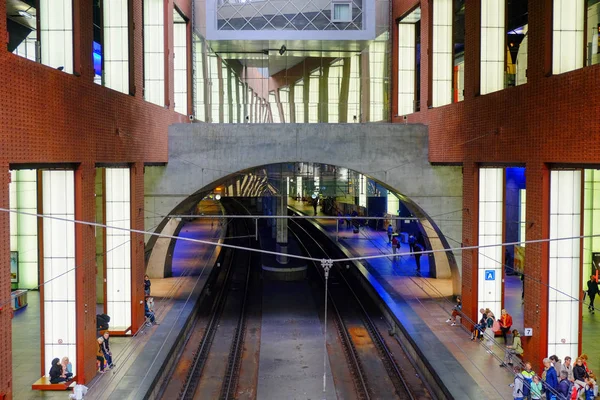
(47, 116)
(551, 119)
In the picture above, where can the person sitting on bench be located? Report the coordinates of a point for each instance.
(56, 372)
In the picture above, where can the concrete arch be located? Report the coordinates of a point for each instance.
(201, 155)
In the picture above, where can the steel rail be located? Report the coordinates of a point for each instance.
(388, 358)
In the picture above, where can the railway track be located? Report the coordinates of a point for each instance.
(373, 365)
(226, 321)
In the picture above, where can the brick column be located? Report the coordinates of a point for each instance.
(85, 276)
(138, 265)
(6, 312)
(470, 238)
(536, 254)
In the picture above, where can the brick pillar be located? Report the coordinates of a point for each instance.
(472, 49)
(470, 238)
(138, 265)
(85, 276)
(537, 254)
(6, 312)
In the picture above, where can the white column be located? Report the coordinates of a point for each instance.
(154, 51)
(493, 48)
(24, 228)
(442, 52)
(118, 247)
(406, 68)
(56, 33)
(564, 266)
(491, 199)
(116, 45)
(180, 54)
(60, 322)
(567, 35)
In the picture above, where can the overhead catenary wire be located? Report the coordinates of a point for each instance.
(357, 258)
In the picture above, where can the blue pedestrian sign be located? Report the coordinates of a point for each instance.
(490, 275)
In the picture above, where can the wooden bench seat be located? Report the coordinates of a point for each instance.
(44, 384)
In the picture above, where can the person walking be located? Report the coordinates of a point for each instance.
(592, 291)
(505, 323)
(390, 233)
(517, 384)
(315, 203)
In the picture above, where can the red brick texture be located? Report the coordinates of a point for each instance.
(550, 120)
(47, 116)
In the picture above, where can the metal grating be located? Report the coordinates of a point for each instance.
(294, 15)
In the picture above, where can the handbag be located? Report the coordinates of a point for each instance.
(496, 326)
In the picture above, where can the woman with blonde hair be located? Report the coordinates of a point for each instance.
(67, 368)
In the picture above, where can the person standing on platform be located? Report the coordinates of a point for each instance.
(147, 285)
(315, 203)
(417, 253)
(411, 242)
(592, 291)
(517, 384)
(395, 245)
(536, 388)
(551, 378)
(390, 232)
(505, 324)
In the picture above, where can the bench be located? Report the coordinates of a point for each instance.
(44, 384)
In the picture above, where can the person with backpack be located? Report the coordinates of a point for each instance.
(565, 385)
(528, 375)
(517, 384)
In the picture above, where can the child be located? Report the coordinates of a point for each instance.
(536, 388)
(147, 285)
(78, 392)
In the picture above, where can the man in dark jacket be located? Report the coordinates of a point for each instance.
(564, 386)
(592, 291)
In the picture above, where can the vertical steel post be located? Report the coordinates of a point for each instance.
(326, 264)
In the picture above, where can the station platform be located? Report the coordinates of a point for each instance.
(422, 304)
(140, 358)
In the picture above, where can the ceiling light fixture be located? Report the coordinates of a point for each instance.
(25, 14)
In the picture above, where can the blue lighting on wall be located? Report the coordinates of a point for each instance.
(515, 177)
(97, 54)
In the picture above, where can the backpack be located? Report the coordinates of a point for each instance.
(527, 386)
